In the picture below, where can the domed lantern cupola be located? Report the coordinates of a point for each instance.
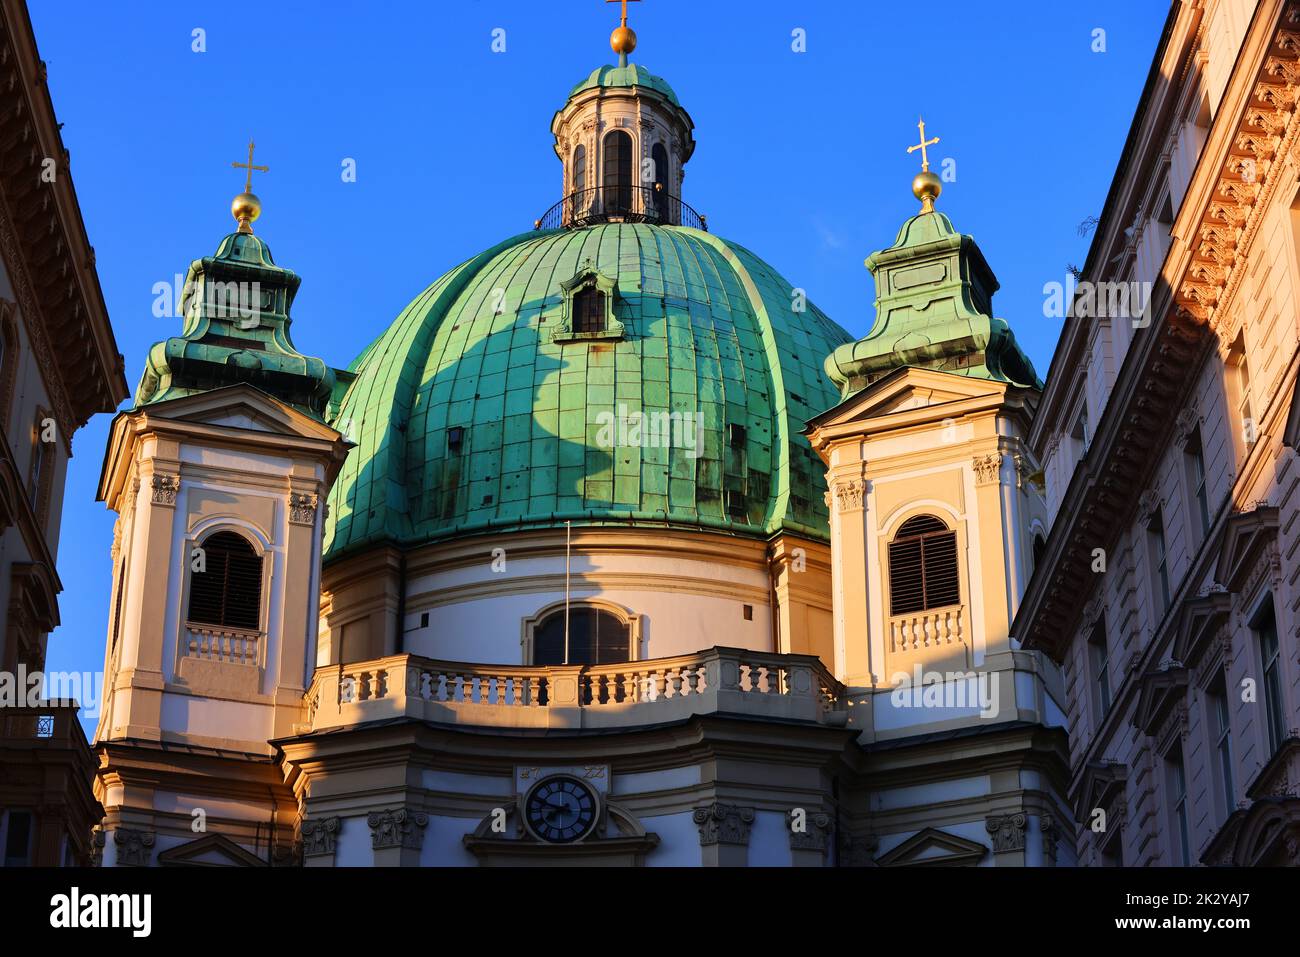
(623, 140)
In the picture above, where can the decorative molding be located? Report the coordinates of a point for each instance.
(133, 847)
(724, 824)
(399, 827)
(988, 468)
(1047, 825)
(319, 836)
(851, 494)
(816, 833)
(1008, 832)
(1148, 502)
(302, 508)
(163, 488)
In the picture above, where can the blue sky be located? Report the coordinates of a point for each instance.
(801, 157)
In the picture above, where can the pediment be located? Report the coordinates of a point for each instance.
(1198, 623)
(1247, 535)
(934, 848)
(1160, 692)
(1103, 782)
(211, 850)
(242, 407)
(905, 390)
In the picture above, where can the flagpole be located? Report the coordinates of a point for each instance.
(568, 527)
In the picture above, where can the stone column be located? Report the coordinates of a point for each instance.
(724, 834)
(1008, 831)
(319, 838)
(396, 836)
(810, 833)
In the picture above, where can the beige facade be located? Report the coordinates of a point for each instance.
(1167, 588)
(58, 366)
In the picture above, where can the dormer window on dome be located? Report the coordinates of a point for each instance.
(589, 308)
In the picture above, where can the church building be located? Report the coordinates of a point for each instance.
(609, 549)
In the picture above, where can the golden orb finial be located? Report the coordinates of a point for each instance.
(245, 207)
(926, 186)
(623, 40)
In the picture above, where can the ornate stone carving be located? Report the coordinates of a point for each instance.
(97, 841)
(163, 488)
(1051, 833)
(988, 468)
(133, 847)
(397, 828)
(1008, 832)
(724, 824)
(1148, 502)
(319, 836)
(815, 832)
(850, 494)
(1185, 424)
(302, 508)
(858, 851)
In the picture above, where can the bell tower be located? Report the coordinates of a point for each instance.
(623, 141)
(935, 502)
(219, 475)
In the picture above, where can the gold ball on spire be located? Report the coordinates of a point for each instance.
(926, 187)
(245, 207)
(623, 40)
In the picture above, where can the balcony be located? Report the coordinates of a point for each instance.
(637, 693)
(621, 204)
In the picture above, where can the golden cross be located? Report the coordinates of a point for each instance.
(248, 180)
(624, 2)
(925, 160)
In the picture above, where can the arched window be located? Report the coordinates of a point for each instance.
(596, 637)
(227, 591)
(922, 566)
(618, 172)
(659, 156)
(580, 169)
(589, 310)
(1039, 547)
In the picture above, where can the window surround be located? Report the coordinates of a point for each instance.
(195, 539)
(629, 620)
(588, 277)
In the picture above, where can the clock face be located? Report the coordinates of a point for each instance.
(561, 809)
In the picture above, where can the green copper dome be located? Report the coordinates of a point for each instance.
(482, 408)
(634, 74)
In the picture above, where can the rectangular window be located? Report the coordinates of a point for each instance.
(18, 839)
(1159, 561)
(1221, 729)
(1266, 626)
(1099, 649)
(1177, 783)
(1195, 458)
(1241, 384)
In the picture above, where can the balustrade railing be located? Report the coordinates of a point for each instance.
(637, 692)
(222, 644)
(621, 204)
(935, 628)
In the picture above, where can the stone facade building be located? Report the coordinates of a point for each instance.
(58, 366)
(1167, 586)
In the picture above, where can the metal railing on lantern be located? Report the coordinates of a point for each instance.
(621, 204)
(650, 691)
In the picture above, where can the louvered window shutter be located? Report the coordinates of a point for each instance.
(228, 592)
(923, 566)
